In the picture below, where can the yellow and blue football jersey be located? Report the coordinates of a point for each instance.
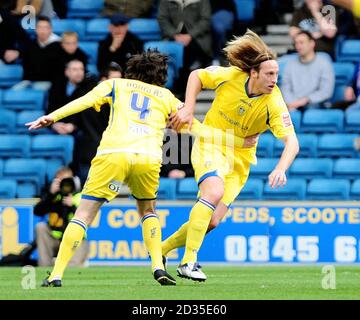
(233, 109)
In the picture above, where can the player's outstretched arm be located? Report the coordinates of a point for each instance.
(41, 122)
(185, 115)
(352, 5)
(277, 177)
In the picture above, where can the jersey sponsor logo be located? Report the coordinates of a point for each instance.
(286, 120)
(139, 129)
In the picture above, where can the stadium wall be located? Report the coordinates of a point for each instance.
(254, 232)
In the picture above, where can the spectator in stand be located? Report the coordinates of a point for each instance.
(130, 8)
(321, 25)
(68, 50)
(119, 45)
(113, 71)
(60, 8)
(222, 22)
(189, 23)
(7, 5)
(87, 126)
(60, 202)
(43, 8)
(176, 156)
(39, 58)
(308, 81)
(352, 94)
(13, 38)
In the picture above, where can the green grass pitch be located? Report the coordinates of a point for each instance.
(224, 283)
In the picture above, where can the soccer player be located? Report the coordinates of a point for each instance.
(129, 152)
(248, 102)
(352, 5)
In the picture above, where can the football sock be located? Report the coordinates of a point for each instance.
(176, 240)
(151, 231)
(71, 240)
(200, 217)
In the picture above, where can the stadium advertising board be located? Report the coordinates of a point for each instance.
(301, 233)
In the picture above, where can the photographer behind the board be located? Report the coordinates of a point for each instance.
(60, 202)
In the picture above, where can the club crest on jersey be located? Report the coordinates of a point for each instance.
(241, 110)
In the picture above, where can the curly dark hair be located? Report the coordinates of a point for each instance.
(149, 66)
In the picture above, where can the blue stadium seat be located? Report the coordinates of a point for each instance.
(170, 77)
(310, 168)
(337, 145)
(319, 120)
(347, 168)
(92, 68)
(344, 73)
(7, 121)
(308, 145)
(84, 8)
(245, 10)
(62, 25)
(339, 94)
(7, 188)
(27, 99)
(26, 190)
(263, 168)
(10, 75)
(328, 189)
(53, 146)
(253, 190)
(1, 167)
(28, 116)
(295, 189)
(187, 189)
(97, 29)
(91, 49)
(26, 170)
(352, 121)
(349, 51)
(167, 189)
(265, 146)
(145, 29)
(14, 146)
(174, 49)
(355, 190)
(296, 120)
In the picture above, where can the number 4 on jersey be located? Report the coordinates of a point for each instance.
(140, 103)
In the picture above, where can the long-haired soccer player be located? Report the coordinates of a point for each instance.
(248, 102)
(129, 153)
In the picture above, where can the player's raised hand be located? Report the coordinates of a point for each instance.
(277, 178)
(39, 123)
(251, 141)
(182, 117)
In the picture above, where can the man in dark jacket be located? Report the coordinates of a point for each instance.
(13, 38)
(87, 127)
(40, 57)
(60, 203)
(119, 45)
(189, 23)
